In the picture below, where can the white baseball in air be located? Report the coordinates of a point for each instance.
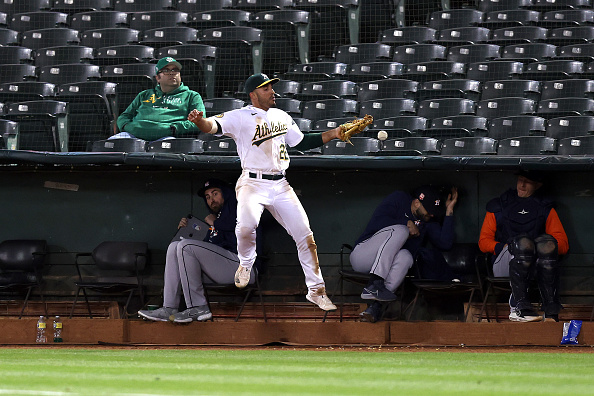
(382, 135)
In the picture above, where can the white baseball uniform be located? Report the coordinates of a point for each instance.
(262, 138)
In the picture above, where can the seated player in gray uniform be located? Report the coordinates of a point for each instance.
(392, 238)
(188, 260)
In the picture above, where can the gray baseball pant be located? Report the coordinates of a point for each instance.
(187, 261)
(382, 254)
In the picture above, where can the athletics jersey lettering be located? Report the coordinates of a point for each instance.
(264, 132)
(168, 100)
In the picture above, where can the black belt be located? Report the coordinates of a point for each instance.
(266, 177)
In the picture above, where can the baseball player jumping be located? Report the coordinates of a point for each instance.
(262, 133)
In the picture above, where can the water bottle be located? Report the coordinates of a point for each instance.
(57, 329)
(41, 338)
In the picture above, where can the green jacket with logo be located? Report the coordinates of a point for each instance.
(154, 114)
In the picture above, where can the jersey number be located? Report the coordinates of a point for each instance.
(283, 155)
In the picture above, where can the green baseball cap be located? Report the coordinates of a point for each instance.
(166, 61)
(258, 80)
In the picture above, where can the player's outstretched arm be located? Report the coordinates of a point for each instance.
(204, 124)
(331, 134)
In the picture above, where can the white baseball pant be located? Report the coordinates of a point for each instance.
(278, 197)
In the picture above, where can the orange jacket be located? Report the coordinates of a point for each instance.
(553, 226)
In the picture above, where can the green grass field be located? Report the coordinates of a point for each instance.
(290, 372)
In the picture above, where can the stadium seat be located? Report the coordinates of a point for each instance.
(407, 146)
(494, 70)
(505, 107)
(194, 6)
(578, 52)
(52, 56)
(436, 108)
(214, 18)
(329, 123)
(169, 36)
(107, 37)
(501, 5)
(52, 37)
(304, 124)
(43, 125)
(120, 54)
(547, 5)
(255, 6)
(316, 71)
(285, 38)
(511, 17)
(566, 18)
(473, 53)
(518, 35)
(98, 20)
(225, 146)
(385, 108)
(9, 37)
(239, 55)
(469, 146)
(26, 91)
(530, 52)
(529, 89)
(571, 35)
(328, 89)
(92, 111)
(131, 79)
(363, 53)
(563, 107)
(553, 70)
(456, 126)
(8, 131)
(416, 53)
(122, 145)
(564, 127)
(527, 145)
(455, 88)
(407, 125)
(69, 73)
(573, 88)
(14, 54)
(359, 146)
(118, 269)
(440, 20)
(21, 265)
(578, 145)
(342, 17)
(436, 70)
(363, 72)
(407, 35)
(329, 108)
(16, 7)
(515, 126)
(289, 89)
(142, 5)
(72, 7)
(177, 146)
(37, 20)
(198, 64)
(17, 72)
(220, 105)
(387, 88)
(148, 20)
(466, 35)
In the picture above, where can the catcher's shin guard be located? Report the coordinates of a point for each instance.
(522, 248)
(547, 270)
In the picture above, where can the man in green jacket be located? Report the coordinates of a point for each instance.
(162, 111)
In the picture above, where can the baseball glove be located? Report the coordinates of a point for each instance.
(354, 127)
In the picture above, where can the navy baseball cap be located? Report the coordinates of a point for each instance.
(430, 198)
(212, 183)
(535, 176)
(258, 80)
(165, 62)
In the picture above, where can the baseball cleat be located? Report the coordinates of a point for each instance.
(159, 315)
(320, 298)
(372, 314)
(242, 276)
(200, 314)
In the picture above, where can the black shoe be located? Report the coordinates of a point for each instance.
(377, 291)
(372, 314)
(551, 317)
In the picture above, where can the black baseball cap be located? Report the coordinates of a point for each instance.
(430, 198)
(258, 80)
(212, 183)
(535, 176)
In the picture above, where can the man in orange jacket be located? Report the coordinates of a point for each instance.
(523, 232)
